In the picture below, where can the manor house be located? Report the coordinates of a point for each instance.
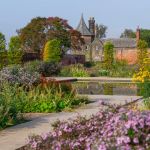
(125, 48)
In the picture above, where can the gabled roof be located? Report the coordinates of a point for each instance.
(82, 27)
(122, 42)
(97, 41)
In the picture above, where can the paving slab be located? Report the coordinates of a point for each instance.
(105, 79)
(61, 79)
(15, 137)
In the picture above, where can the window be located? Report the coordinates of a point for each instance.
(96, 48)
(87, 48)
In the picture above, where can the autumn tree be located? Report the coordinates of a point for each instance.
(40, 30)
(76, 40)
(2, 42)
(128, 33)
(52, 51)
(100, 31)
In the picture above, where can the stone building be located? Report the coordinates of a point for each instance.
(125, 48)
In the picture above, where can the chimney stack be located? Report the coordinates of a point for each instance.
(137, 34)
(92, 25)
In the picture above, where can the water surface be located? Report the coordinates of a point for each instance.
(98, 88)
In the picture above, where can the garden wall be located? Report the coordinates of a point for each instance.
(73, 59)
(130, 55)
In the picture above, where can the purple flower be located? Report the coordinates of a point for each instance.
(123, 140)
(102, 147)
(105, 130)
(34, 144)
(136, 140)
(76, 144)
(59, 133)
(44, 136)
(54, 134)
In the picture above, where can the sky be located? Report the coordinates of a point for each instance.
(115, 14)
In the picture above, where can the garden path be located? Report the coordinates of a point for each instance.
(15, 137)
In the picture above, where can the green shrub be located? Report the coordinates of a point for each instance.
(65, 71)
(122, 69)
(15, 99)
(108, 55)
(10, 105)
(104, 72)
(143, 77)
(77, 70)
(52, 51)
(142, 47)
(89, 64)
(2, 42)
(3, 59)
(48, 100)
(49, 69)
(14, 44)
(33, 66)
(51, 98)
(14, 57)
(144, 90)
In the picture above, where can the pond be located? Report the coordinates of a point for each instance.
(98, 88)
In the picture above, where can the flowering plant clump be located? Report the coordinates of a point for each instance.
(19, 75)
(143, 77)
(110, 129)
(144, 72)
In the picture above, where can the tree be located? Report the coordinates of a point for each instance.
(15, 52)
(52, 51)
(101, 31)
(2, 42)
(142, 47)
(128, 33)
(76, 40)
(15, 43)
(145, 35)
(40, 30)
(108, 55)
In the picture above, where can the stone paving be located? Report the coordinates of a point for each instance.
(103, 79)
(15, 137)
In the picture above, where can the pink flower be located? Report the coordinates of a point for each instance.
(59, 133)
(110, 133)
(102, 147)
(136, 140)
(44, 136)
(141, 122)
(34, 144)
(123, 140)
(54, 134)
(76, 144)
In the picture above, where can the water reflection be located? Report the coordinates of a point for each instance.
(106, 88)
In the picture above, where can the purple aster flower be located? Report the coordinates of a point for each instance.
(34, 144)
(136, 140)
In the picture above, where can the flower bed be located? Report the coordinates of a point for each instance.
(109, 129)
